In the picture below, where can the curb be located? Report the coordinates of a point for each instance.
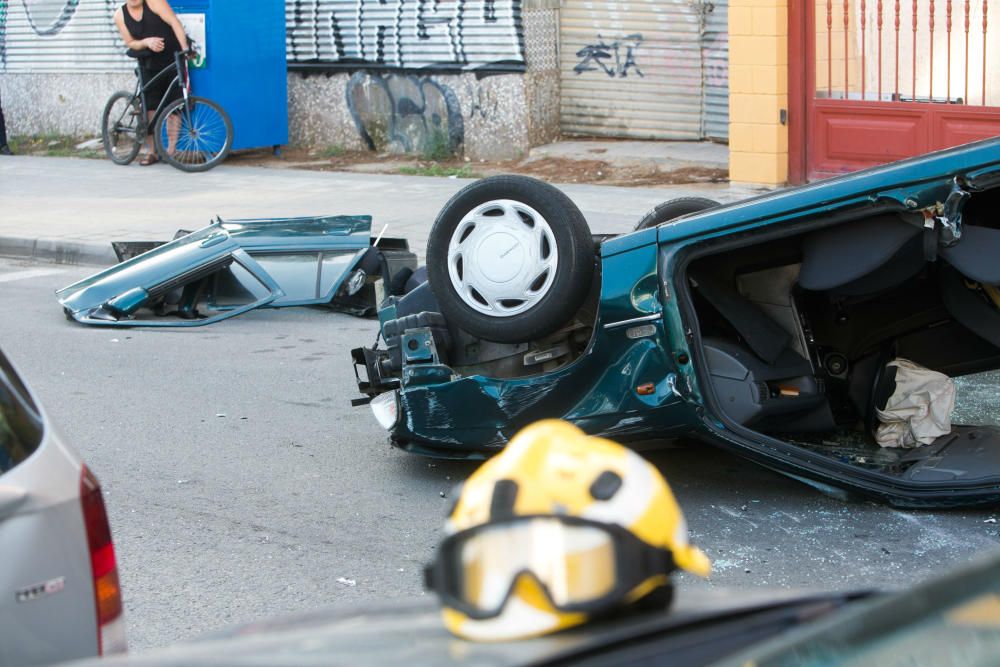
(58, 251)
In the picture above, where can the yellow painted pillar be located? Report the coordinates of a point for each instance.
(758, 91)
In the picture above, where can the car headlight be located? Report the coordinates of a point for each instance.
(356, 282)
(386, 409)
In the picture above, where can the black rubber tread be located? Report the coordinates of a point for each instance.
(140, 135)
(201, 166)
(674, 208)
(573, 277)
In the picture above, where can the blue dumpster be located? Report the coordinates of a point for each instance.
(241, 64)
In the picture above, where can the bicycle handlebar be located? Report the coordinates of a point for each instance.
(139, 54)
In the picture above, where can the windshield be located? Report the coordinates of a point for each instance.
(951, 622)
(967, 635)
(20, 424)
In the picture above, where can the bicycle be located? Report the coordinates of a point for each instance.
(191, 134)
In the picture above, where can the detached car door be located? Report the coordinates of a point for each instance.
(198, 279)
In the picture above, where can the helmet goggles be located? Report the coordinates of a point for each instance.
(581, 565)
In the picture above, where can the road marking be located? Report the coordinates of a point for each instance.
(29, 273)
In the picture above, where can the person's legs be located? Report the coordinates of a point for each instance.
(173, 120)
(149, 156)
(173, 129)
(149, 133)
(4, 148)
(154, 94)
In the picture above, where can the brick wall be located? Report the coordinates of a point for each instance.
(758, 91)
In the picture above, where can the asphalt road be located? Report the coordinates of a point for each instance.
(241, 483)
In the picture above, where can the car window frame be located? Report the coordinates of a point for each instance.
(15, 396)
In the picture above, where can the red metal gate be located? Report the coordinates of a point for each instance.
(888, 79)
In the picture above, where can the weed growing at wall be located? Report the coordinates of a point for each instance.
(53, 145)
(331, 151)
(437, 147)
(439, 170)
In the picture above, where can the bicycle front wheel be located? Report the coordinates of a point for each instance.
(194, 135)
(122, 127)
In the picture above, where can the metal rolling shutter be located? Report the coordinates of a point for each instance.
(715, 52)
(61, 36)
(605, 46)
(403, 34)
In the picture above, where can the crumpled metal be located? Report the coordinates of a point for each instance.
(919, 410)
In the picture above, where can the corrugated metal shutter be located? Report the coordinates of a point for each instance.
(80, 35)
(715, 52)
(402, 34)
(631, 69)
(61, 36)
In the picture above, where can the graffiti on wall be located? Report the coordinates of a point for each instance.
(484, 102)
(347, 34)
(715, 54)
(406, 114)
(406, 34)
(614, 59)
(49, 18)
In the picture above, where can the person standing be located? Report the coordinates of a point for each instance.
(4, 148)
(151, 25)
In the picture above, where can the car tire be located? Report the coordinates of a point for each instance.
(510, 259)
(674, 208)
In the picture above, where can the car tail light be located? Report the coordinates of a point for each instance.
(107, 592)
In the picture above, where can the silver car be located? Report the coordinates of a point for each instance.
(59, 592)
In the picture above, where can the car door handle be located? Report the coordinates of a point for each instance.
(11, 498)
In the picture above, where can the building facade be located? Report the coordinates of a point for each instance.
(821, 88)
(482, 78)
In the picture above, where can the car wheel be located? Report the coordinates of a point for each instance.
(510, 259)
(674, 208)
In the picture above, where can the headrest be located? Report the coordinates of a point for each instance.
(970, 305)
(841, 254)
(977, 254)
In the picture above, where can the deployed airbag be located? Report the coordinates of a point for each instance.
(919, 410)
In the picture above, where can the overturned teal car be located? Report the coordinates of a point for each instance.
(845, 333)
(232, 266)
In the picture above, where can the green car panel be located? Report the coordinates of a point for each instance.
(273, 262)
(470, 416)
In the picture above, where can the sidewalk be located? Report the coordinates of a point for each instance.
(661, 156)
(69, 210)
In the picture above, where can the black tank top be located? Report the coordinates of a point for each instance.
(151, 25)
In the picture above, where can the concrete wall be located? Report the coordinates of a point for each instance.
(410, 113)
(47, 103)
(493, 116)
(541, 80)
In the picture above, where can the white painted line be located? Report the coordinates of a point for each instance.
(29, 273)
